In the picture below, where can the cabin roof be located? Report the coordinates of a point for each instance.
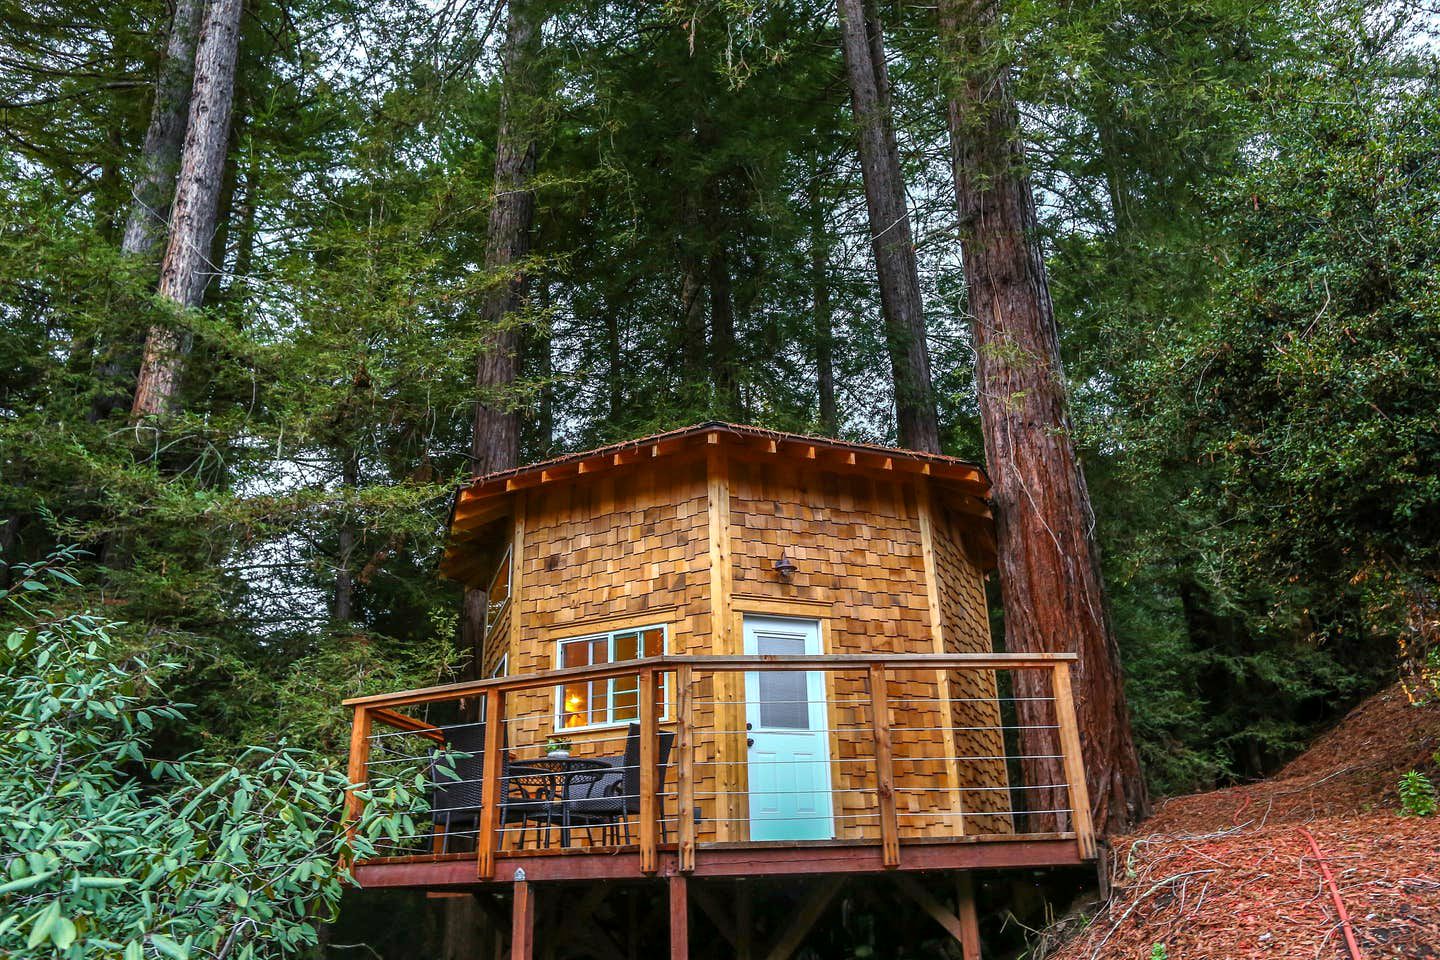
(484, 501)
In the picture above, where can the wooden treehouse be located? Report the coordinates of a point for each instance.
(717, 655)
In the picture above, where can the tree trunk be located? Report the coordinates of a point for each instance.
(160, 154)
(183, 271)
(823, 315)
(145, 224)
(495, 443)
(722, 334)
(343, 608)
(615, 368)
(900, 301)
(1049, 565)
(692, 301)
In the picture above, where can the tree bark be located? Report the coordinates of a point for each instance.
(823, 316)
(495, 442)
(890, 238)
(692, 300)
(344, 605)
(1049, 564)
(183, 271)
(722, 333)
(160, 154)
(145, 223)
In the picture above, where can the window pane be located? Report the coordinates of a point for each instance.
(782, 692)
(600, 650)
(654, 644)
(627, 646)
(624, 699)
(575, 706)
(574, 654)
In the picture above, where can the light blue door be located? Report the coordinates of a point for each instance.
(787, 731)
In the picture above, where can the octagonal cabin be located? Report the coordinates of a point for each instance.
(727, 651)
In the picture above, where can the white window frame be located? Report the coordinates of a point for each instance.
(558, 718)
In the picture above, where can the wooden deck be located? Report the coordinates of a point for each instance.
(907, 820)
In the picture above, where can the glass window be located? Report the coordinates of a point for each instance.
(783, 704)
(497, 595)
(589, 703)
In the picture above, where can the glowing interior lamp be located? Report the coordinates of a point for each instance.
(574, 708)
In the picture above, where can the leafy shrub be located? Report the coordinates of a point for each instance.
(107, 853)
(1417, 795)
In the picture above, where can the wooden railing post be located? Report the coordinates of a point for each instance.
(1074, 762)
(492, 791)
(357, 772)
(649, 730)
(884, 767)
(685, 767)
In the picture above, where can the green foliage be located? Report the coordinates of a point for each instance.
(109, 852)
(1417, 795)
(1159, 952)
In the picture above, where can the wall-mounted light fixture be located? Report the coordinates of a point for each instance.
(785, 567)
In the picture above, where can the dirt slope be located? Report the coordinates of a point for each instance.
(1231, 875)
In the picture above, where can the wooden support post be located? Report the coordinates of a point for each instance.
(884, 767)
(491, 789)
(804, 918)
(744, 932)
(522, 922)
(357, 772)
(962, 924)
(685, 767)
(1074, 762)
(679, 919)
(969, 918)
(648, 689)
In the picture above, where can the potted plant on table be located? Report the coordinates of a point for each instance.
(557, 747)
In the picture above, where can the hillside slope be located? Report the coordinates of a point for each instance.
(1231, 874)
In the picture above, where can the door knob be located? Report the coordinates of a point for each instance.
(749, 741)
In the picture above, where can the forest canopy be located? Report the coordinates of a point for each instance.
(1237, 202)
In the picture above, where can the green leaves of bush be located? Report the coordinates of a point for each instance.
(107, 854)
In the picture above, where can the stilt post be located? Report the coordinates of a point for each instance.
(969, 918)
(522, 922)
(884, 767)
(649, 788)
(679, 918)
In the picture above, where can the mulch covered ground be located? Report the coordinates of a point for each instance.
(1231, 875)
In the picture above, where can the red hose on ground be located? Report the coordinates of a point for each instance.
(1354, 947)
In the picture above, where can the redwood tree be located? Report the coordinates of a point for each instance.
(1049, 565)
(185, 269)
(154, 186)
(890, 239)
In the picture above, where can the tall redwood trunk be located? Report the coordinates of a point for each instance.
(184, 269)
(1049, 565)
(693, 347)
(145, 224)
(343, 607)
(722, 333)
(160, 153)
(890, 238)
(823, 315)
(495, 442)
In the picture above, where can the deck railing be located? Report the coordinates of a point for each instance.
(902, 749)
